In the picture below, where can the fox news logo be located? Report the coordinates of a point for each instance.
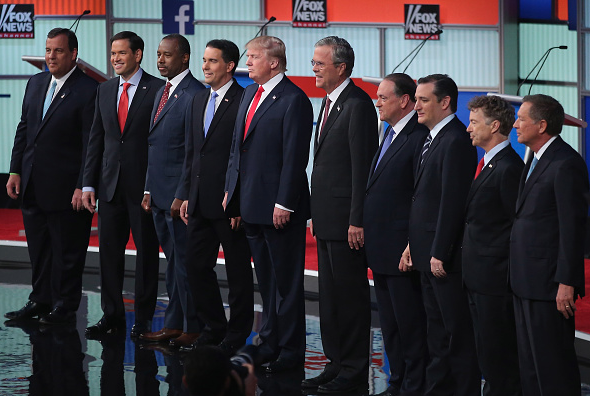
(309, 13)
(16, 21)
(421, 21)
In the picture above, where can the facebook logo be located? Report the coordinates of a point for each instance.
(178, 17)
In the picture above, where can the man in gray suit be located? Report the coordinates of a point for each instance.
(165, 158)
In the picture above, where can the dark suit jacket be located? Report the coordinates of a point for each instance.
(271, 162)
(547, 240)
(389, 197)
(112, 155)
(205, 164)
(51, 152)
(341, 163)
(166, 142)
(438, 209)
(488, 221)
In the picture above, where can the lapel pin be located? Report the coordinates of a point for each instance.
(143, 87)
(274, 96)
(490, 165)
(338, 108)
(63, 96)
(227, 100)
(175, 96)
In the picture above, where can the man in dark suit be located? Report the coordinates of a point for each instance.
(486, 243)
(210, 124)
(345, 141)
(447, 166)
(547, 250)
(115, 172)
(386, 217)
(165, 157)
(266, 176)
(46, 171)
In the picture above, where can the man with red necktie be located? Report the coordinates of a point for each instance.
(489, 215)
(115, 172)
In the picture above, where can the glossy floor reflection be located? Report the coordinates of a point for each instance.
(40, 360)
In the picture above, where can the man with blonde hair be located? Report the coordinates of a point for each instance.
(266, 176)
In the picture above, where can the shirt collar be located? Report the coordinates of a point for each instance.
(543, 148)
(441, 125)
(401, 124)
(134, 80)
(223, 90)
(178, 78)
(495, 150)
(336, 93)
(272, 83)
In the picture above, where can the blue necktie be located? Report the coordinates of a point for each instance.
(49, 98)
(210, 111)
(533, 164)
(386, 143)
(425, 148)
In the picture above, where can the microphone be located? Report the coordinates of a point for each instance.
(416, 51)
(86, 12)
(270, 20)
(542, 60)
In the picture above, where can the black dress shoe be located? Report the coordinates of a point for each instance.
(139, 329)
(105, 326)
(281, 365)
(323, 378)
(58, 316)
(31, 309)
(342, 385)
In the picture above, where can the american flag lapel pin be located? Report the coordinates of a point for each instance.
(490, 165)
(175, 96)
(227, 100)
(144, 87)
(63, 96)
(274, 97)
(338, 108)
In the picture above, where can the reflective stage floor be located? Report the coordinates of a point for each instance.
(37, 360)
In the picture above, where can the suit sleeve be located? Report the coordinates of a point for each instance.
(458, 169)
(571, 188)
(87, 117)
(95, 149)
(363, 141)
(297, 126)
(185, 178)
(20, 138)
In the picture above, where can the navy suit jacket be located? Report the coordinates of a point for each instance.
(388, 199)
(50, 152)
(112, 155)
(341, 162)
(205, 164)
(440, 192)
(270, 164)
(489, 215)
(166, 142)
(547, 239)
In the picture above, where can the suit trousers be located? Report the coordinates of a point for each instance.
(495, 338)
(181, 313)
(204, 237)
(57, 243)
(453, 368)
(279, 259)
(403, 325)
(546, 354)
(115, 218)
(345, 309)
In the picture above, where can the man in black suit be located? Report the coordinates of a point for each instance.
(46, 171)
(210, 124)
(165, 158)
(547, 250)
(386, 217)
(115, 172)
(486, 243)
(345, 141)
(447, 166)
(266, 176)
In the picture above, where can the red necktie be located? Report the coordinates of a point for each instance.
(123, 106)
(253, 109)
(163, 100)
(326, 111)
(479, 168)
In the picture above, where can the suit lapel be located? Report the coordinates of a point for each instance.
(140, 94)
(337, 108)
(178, 92)
(486, 172)
(61, 95)
(225, 103)
(317, 127)
(396, 145)
(432, 148)
(270, 99)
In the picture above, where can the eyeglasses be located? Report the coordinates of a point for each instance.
(321, 65)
